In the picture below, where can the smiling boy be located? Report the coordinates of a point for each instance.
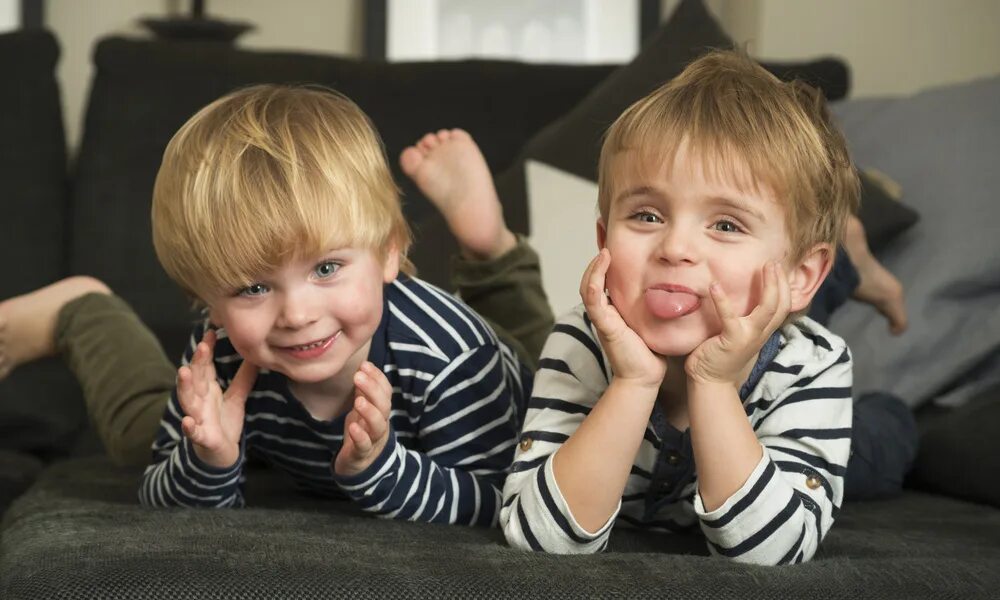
(687, 390)
(274, 206)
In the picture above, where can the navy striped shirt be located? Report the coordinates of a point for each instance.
(799, 406)
(457, 395)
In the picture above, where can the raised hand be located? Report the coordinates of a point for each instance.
(630, 357)
(213, 419)
(366, 427)
(724, 358)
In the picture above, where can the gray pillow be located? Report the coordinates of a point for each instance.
(943, 147)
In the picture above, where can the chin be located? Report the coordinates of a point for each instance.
(675, 338)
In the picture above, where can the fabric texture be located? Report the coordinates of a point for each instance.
(119, 364)
(78, 533)
(958, 449)
(940, 145)
(800, 410)
(507, 292)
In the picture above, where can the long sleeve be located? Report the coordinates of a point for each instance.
(177, 477)
(802, 417)
(571, 378)
(467, 432)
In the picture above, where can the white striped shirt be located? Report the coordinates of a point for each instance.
(800, 408)
(457, 396)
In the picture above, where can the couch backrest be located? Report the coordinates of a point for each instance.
(39, 405)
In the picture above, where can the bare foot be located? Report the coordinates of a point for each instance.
(450, 170)
(28, 322)
(877, 285)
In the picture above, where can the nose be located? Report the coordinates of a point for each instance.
(678, 244)
(299, 309)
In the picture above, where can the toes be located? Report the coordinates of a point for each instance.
(429, 142)
(410, 160)
(460, 134)
(444, 134)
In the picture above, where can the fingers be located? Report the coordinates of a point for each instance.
(722, 304)
(242, 383)
(592, 284)
(376, 424)
(359, 437)
(372, 383)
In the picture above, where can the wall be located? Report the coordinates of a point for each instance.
(323, 26)
(893, 46)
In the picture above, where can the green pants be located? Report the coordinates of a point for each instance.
(127, 379)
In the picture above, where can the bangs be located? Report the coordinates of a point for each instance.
(724, 146)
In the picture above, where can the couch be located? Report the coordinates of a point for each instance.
(72, 526)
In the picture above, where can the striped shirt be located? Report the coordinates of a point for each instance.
(799, 404)
(457, 395)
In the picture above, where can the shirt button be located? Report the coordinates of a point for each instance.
(673, 458)
(526, 444)
(813, 482)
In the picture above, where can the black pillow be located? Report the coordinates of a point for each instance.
(572, 143)
(882, 213)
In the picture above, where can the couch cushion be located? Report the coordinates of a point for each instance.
(78, 533)
(144, 90)
(40, 408)
(941, 146)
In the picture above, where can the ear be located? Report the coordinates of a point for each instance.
(390, 265)
(806, 277)
(602, 233)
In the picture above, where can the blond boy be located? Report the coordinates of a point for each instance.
(687, 390)
(275, 207)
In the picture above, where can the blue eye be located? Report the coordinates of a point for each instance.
(255, 289)
(646, 217)
(726, 226)
(327, 268)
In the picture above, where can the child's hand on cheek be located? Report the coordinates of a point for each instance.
(366, 427)
(724, 358)
(630, 358)
(213, 420)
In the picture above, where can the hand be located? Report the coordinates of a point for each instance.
(366, 427)
(724, 358)
(213, 420)
(631, 359)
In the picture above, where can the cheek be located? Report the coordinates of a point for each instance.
(743, 287)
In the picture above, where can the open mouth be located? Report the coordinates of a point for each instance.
(312, 349)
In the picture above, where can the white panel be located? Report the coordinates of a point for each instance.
(562, 211)
(10, 15)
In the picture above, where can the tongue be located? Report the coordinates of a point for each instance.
(670, 305)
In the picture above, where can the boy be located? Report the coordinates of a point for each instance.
(275, 208)
(687, 389)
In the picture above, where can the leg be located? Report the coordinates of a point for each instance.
(498, 274)
(125, 376)
(883, 447)
(838, 286)
(876, 285)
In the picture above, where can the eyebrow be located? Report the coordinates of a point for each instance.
(740, 205)
(640, 190)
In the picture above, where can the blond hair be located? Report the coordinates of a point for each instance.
(268, 174)
(732, 113)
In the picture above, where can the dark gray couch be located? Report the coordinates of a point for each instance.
(72, 527)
